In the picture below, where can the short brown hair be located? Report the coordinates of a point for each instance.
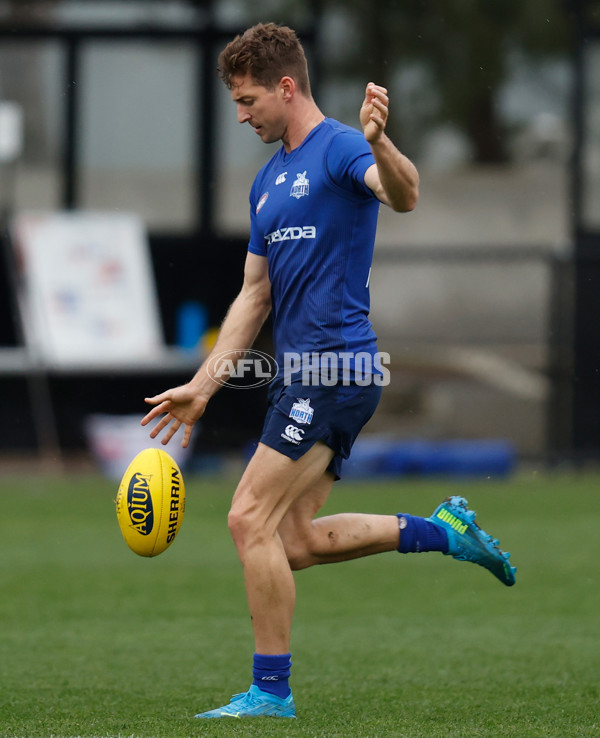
(267, 52)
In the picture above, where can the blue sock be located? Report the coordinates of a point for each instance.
(271, 673)
(418, 535)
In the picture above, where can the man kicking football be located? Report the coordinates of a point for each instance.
(313, 217)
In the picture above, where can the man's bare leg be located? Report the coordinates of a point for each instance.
(271, 521)
(333, 538)
(268, 487)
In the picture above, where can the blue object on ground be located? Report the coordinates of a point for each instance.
(377, 456)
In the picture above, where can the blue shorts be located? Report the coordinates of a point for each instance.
(300, 415)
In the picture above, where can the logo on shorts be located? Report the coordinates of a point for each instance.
(292, 434)
(300, 186)
(302, 412)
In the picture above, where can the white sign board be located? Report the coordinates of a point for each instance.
(87, 289)
(11, 131)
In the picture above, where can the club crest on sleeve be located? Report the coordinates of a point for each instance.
(262, 201)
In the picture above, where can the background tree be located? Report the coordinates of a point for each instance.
(464, 45)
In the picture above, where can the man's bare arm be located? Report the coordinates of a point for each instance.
(184, 405)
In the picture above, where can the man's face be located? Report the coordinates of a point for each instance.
(265, 110)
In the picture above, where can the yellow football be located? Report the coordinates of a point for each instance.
(151, 502)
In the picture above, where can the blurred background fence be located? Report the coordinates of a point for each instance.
(486, 297)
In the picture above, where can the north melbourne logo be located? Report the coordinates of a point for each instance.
(302, 412)
(300, 186)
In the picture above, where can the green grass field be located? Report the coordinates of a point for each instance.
(96, 641)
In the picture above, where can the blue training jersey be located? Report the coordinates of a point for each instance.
(314, 219)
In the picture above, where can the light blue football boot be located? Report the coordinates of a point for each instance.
(254, 703)
(468, 542)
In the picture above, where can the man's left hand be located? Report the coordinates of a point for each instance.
(374, 112)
